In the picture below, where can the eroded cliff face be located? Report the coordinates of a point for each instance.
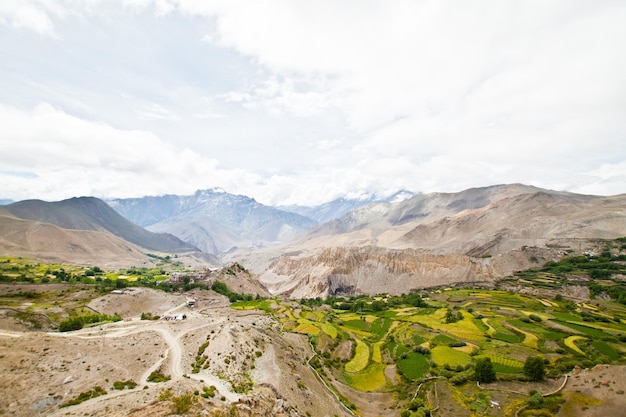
(374, 270)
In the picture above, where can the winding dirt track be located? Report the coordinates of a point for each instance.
(173, 353)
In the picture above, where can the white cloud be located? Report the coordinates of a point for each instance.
(59, 156)
(24, 14)
(316, 100)
(286, 97)
(154, 111)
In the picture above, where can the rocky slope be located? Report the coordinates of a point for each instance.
(440, 239)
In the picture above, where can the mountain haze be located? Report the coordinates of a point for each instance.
(213, 220)
(335, 209)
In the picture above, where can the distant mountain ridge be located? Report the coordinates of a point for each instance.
(335, 209)
(92, 214)
(213, 220)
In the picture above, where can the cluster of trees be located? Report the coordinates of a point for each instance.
(453, 316)
(364, 303)
(221, 288)
(78, 322)
(602, 266)
(534, 369)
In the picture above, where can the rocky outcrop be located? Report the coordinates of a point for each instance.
(374, 270)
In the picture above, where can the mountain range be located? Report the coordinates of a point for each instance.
(334, 209)
(434, 239)
(81, 230)
(213, 220)
(217, 222)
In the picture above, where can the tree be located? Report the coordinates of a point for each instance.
(534, 368)
(536, 400)
(453, 317)
(483, 371)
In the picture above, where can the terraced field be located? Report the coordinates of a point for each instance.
(398, 346)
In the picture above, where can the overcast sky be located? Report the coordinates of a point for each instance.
(307, 101)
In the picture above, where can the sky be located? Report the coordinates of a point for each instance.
(301, 102)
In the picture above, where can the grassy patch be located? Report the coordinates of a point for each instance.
(357, 325)
(370, 379)
(414, 366)
(594, 333)
(376, 352)
(605, 349)
(307, 328)
(253, 304)
(329, 329)
(444, 354)
(157, 376)
(85, 395)
(361, 357)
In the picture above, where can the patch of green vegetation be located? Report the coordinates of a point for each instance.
(208, 392)
(446, 355)
(606, 349)
(442, 339)
(413, 366)
(590, 331)
(78, 322)
(358, 325)
(221, 288)
(120, 385)
(149, 316)
(85, 395)
(370, 379)
(157, 376)
(183, 403)
(252, 304)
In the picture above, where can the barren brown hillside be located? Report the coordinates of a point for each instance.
(251, 367)
(440, 239)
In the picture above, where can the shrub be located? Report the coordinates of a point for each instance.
(534, 368)
(483, 370)
(182, 403)
(86, 395)
(157, 376)
(208, 392)
(70, 324)
(120, 385)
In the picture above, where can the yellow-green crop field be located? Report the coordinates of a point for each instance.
(506, 361)
(370, 379)
(376, 352)
(361, 357)
(329, 329)
(570, 343)
(307, 328)
(446, 355)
